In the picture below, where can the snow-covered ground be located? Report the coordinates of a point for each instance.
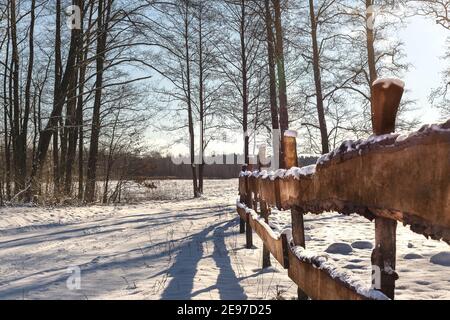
(348, 240)
(168, 246)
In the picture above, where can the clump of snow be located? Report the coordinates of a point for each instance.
(290, 133)
(339, 248)
(402, 138)
(377, 139)
(278, 174)
(324, 158)
(351, 146)
(296, 172)
(387, 82)
(243, 206)
(283, 173)
(362, 245)
(257, 217)
(425, 129)
(272, 175)
(256, 174)
(245, 173)
(288, 233)
(412, 256)
(442, 259)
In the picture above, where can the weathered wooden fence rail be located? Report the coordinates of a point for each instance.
(388, 178)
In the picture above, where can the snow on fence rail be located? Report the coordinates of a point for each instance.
(388, 178)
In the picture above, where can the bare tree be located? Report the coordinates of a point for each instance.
(103, 18)
(46, 134)
(317, 72)
(242, 68)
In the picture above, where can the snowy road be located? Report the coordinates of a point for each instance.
(187, 249)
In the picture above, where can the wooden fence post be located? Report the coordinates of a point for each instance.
(290, 149)
(242, 199)
(386, 97)
(265, 211)
(249, 204)
(298, 228)
(266, 252)
(298, 237)
(241, 225)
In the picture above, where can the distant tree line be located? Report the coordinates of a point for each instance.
(164, 167)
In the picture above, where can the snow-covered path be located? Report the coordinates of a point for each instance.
(185, 249)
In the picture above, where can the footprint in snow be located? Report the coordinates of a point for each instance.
(339, 248)
(412, 256)
(353, 267)
(362, 245)
(423, 283)
(442, 259)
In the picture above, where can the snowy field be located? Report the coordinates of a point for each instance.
(170, 248)
(167, 246)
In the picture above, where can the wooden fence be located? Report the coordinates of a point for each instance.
(388, 178)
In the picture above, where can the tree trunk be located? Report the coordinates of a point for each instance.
(272, 74)
(202, 104)
(80, 103)
(19, 179)
(110, 159)
(74, 108)
(245, 103)
(22, 139)
(318, 80)
(102, 25)
(64, 138)
(55, 150)
(46, 134)
(370, 46)
(279, 54)
(6, 117)
(189, 99)
(72, 133)
(57, 84)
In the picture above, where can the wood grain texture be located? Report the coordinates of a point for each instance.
(407, 181)
(274, 245)
(318, 284)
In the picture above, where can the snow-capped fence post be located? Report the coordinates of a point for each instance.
(386, 97)
(298, 229)
(290, 149)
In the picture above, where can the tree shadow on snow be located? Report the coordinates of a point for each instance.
(185, 266)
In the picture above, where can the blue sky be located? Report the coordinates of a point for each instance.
(425, 44)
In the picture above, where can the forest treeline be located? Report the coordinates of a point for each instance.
(82, 81)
